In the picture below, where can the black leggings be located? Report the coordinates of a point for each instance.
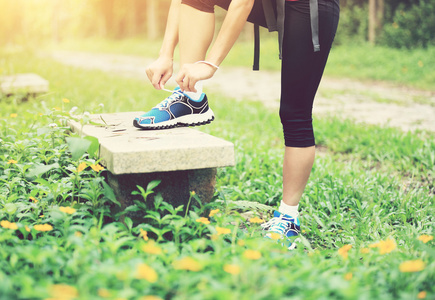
(302, 68)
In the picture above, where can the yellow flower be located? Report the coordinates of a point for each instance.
(187, 263)
(343, 251)
(425, 238)
(81, 167)
(43, 227)
(63, 291)
(33, 199)
(274, 235)
(232, 269)
(213, 212)
(221, 230)
(348, 276)
(421, 295)
(256, 220)
(97, 168)
(65, 100)
(13, 115)
(364, 250)
(412, 266)
(57, 108)
(41, 216)
(150, 297)
(27, 228)
(146, 272)
(203, 220)
(374, 245)
(12, 161)
(8, 225)
(386, 246)
(151, 248)
(103, 293)
(68, 210)
(214, 237)
(144, 234)
(420, 64)
(252, 254)
(192, 193)
(78, 234)
(241, 243)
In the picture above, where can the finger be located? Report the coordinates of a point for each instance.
(165, 78)
(192, 83)
(156, 80)
(179, 79)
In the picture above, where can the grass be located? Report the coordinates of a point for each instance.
(370, 184)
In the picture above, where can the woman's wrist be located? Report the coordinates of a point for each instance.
(207, 63)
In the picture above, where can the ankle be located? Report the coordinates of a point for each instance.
(291, 210)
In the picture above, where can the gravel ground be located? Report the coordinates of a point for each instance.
(369, 102)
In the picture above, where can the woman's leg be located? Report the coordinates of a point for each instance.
(296, 170)
(302, 69)
(195, 33)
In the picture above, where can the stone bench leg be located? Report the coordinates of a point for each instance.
(175, 186)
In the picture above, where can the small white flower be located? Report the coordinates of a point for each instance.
(101, 105)
(73, 110)
(86, 114)
(52, 125)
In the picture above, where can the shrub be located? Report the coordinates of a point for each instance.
(411, 28)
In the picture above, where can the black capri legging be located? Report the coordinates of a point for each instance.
(302, 68)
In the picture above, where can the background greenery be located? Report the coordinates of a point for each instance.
(367, 213)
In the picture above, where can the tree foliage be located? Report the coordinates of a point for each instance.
(406, 23)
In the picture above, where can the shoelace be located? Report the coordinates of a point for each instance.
(175, 96)
(276, 225)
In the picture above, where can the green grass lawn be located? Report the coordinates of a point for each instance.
(365, 214)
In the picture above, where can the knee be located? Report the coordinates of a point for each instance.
(202, 5)
(298, 130)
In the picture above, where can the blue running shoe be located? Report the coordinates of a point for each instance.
(176, 110)
(283, 228)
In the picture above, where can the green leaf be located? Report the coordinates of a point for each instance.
(109, 194)
(94, 148)
(152, 185)
(38, 170)
(128, 222)
(10, 208)
(77, 146)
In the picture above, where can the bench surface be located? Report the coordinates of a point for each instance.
(125, 149)
(29, 83)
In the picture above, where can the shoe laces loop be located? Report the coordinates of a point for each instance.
(175, 96)
(276, 224)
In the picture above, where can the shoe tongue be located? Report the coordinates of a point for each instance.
(277, 214)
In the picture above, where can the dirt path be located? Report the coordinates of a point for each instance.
(369, 102)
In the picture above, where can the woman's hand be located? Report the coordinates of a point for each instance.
(190, 74)
(160, 71)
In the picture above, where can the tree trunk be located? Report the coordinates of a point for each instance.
(152, 25)
(376, 16)
(372, 21)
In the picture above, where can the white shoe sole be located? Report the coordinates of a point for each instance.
(187, 120)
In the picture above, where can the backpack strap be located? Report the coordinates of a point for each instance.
(275, 22)
(256, 65)
(314, 15)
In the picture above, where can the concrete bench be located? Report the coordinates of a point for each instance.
(23, 83)
(184, 159)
